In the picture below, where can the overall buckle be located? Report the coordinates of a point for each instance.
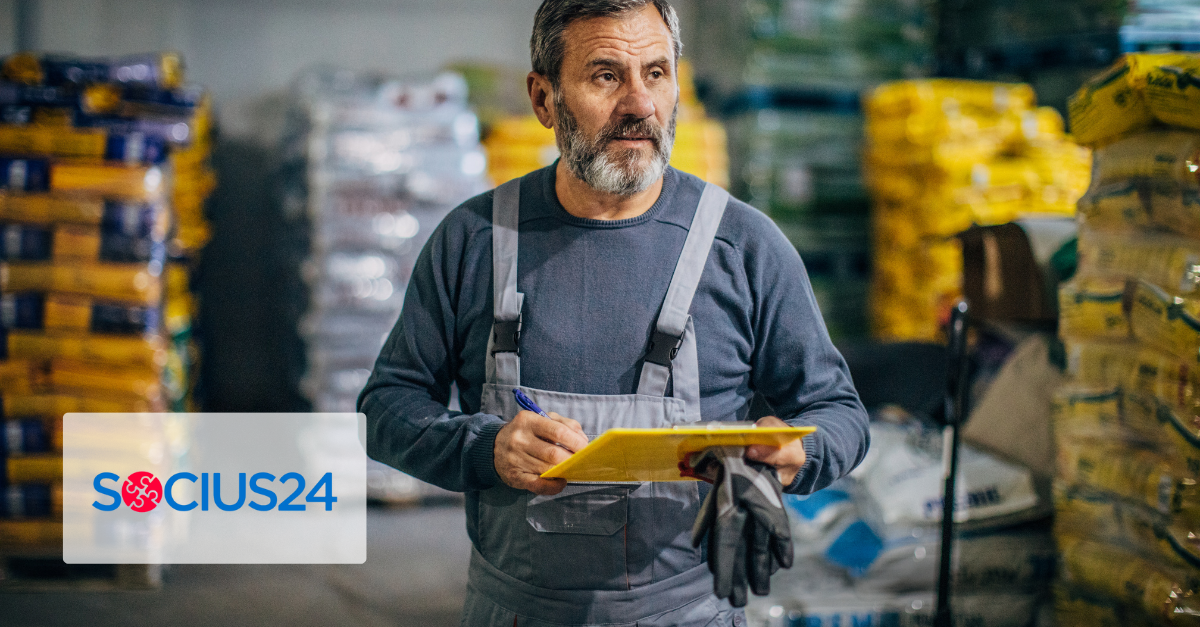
(505, 336)
(663, 348)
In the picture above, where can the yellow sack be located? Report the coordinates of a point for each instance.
(47, 208)
(115, 281)
(18, 375)
(82, 143)
(1134, 206)
(1139, 89)
(1114, 415)
(108, 179)
(1136, 368)
(1071, 609)
(1041, 125)
(1093, 309)
(1080, 513)
(1133, 474)
(903, 98)
(1172, 84)
(1087, 414)
(1168, 323)
(35, 468)
(115, 382)
(1165, 155)
(1107, 106)
(1117, 207)
(144, 352)
(1160, 426)
(1172, 263)
(79, 314)
(1175, 208)
(47, 534)
(55, 405)
(1156, 589)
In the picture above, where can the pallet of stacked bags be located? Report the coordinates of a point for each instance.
(943, 155)
(95, 155)
(1126, 419)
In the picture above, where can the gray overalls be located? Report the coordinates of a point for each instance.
(595, 554)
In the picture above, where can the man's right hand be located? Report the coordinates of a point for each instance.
(525, 448)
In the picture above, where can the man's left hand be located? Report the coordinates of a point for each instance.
(786, 460)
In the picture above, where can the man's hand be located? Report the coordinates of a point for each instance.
(787, 459)
(526, 447)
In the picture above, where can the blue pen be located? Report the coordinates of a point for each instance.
(527, 404)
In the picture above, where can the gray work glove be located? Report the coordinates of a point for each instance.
(749, 538)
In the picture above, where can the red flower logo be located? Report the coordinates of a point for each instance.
(141, 491)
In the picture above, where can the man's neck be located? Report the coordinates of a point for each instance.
(582, 201)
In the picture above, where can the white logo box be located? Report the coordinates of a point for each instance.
(107, 519)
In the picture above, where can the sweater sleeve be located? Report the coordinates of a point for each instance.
(796, 367)
(405, 400)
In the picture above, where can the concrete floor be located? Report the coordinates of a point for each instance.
(415, 575)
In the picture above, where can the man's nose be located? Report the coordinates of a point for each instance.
(636, 102)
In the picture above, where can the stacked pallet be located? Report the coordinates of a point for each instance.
(94, 302)
(942, 155)
(518, 145)
(372, 166)
(1126, 420)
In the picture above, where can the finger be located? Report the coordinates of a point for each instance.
(770, 421)
(759, 557)
(546, 487)
(540, 452)
(784, 553)
(555, 432)
(727, 551)
(763, 453)
(739, 594)
(791, 455)
(573, 424)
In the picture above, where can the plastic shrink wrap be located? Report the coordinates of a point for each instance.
(371, 166)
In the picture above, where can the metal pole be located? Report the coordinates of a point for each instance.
(955, 411)
(25, 21)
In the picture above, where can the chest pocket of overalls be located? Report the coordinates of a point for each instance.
(582, 509)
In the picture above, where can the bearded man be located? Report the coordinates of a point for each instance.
(614, 291)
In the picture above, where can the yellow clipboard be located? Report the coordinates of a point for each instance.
(654, 454)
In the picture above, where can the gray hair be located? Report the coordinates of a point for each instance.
(546, 47)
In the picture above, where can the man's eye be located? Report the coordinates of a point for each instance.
(656, 74)
(608, 76)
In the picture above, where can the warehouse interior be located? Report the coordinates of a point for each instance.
(217, 207)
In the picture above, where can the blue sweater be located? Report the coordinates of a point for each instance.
(593, 290)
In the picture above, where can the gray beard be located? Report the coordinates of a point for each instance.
(619, 174)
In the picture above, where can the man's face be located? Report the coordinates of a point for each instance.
(616, 101)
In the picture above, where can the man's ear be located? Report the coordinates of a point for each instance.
(541, 96)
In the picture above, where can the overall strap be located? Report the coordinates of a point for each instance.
(503, 357)
(672, 351)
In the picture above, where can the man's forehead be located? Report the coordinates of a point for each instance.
(640, 33)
